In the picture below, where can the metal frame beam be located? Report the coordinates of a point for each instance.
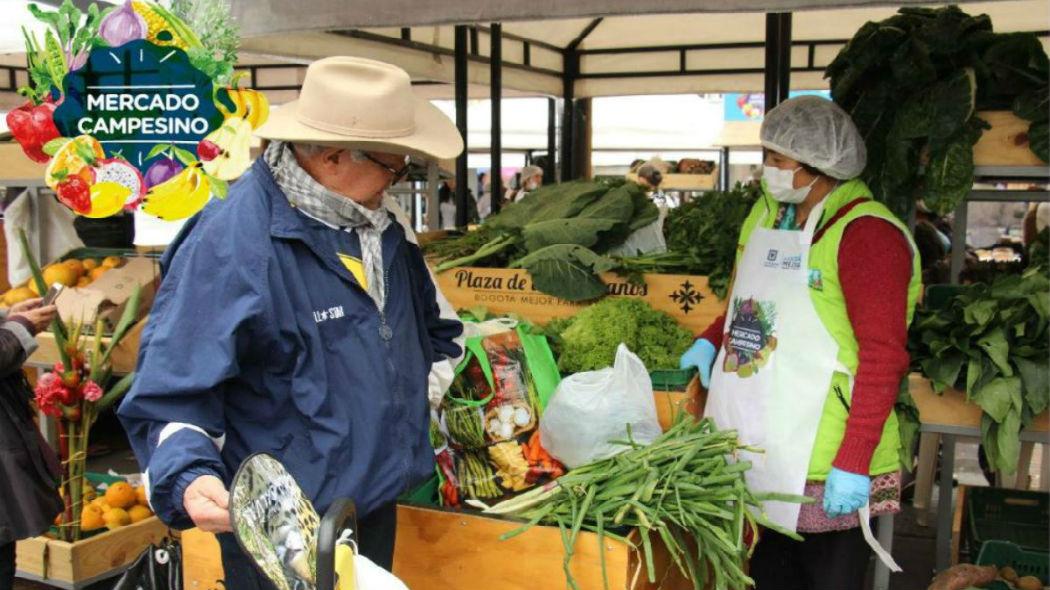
(496, 100)
(778, 58)
(568, 124)
(461, 123)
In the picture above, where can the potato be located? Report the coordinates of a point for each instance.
(1029, 583)
(1009, 574)
(963, 576)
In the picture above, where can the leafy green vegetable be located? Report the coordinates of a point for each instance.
(212, 23)
(588, 340)
(701, 238)
(913, 83)
(567, 271)
(990, 340)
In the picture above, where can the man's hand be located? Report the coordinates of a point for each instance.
(38, 315)
(207, 503)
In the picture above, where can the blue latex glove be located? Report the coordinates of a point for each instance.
(700, 355)
(845, 492)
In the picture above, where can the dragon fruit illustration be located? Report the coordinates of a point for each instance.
(121, 171)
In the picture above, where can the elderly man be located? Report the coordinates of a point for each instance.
(298, 318)
(531, 179)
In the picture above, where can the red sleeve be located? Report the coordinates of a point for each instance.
(875, 265)
(713, 333)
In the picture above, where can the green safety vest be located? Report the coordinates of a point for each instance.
(826, 292)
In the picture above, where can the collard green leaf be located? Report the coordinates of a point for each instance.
(980, 312)
(567, 271)
(1009, 442)
(615, 204)
(1035, 376)
(573, 198)
(944, 371)
(998, 396)
(995, 344)
(582, 232)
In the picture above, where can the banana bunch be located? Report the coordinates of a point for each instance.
(180, 196)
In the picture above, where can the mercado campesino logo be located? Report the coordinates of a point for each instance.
(751, 338)
(131, 108)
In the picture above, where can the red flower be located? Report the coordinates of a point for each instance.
(49, 393)
(59, 367)
(91, 391)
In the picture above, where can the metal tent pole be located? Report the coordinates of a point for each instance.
(568, 119)
(461, 123)
(549, 173)
(778, 58)
(496, 82)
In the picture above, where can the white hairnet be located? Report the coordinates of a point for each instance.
(817, 132)
(530, 171)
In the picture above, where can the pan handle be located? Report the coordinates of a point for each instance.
(341, 514)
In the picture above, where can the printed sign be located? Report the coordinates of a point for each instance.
(751, 338)
(130, 108)
(752, 107)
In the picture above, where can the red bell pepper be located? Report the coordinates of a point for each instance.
(33, 126)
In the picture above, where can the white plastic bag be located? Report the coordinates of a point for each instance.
(648, 239)
(590, 409)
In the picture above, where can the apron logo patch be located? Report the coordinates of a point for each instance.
(752, 336)
(774, 260)
(332, 313)
(815, 281)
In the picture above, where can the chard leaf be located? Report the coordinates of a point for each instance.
(943, 371)
(994, 343)
(1009, 442)
(999, 396)
(981, 312)
(1035, 375)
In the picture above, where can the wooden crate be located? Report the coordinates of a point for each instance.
(74, 564)
(438, 548)
(509, 291)
(951, 407)
(685, 182)
(670, 403)
(1006, 143)
(201, 561)
(124, 357)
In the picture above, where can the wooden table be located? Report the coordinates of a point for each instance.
(948, 416)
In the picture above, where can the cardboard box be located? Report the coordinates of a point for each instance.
(107, 297)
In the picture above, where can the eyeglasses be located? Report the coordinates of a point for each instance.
(398, 175)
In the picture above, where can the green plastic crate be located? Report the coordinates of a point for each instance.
(1019, 517)
(426, 494)
(1025, 563)
(671, 379)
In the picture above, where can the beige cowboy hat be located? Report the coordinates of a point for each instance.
(364, 104)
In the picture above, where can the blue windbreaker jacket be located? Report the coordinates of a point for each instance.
(261, 340)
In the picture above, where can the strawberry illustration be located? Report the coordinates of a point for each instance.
(75, 193)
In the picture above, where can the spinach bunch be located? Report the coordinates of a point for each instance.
(913, 84)
(991, 341)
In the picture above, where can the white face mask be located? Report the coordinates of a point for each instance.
(780, 184)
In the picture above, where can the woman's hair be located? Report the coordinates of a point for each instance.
(811, 169)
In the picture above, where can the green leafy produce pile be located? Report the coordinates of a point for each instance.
(588, 340)
(991, 341)
(558, 233)
(913, 84)
(701, 237)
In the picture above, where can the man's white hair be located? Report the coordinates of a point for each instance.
(309, 150)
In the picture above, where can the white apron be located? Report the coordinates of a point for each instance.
(772, 375)
(773, 372)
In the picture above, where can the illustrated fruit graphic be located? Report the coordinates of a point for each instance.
(163, 28)
(250, 105)
(90, 264)
(138, 513)
(772, 343)
(180, 196)
(112, 262)
(746, 371)
(32, 126)
(75, 194)
(233, 139)
(208, 151)
(140, 495)
(96, 273)
(120, 495)
(731, 363)
(59, 273)
(107, 199)
(116, 518)
(80, 152)
(120, 171)
(91, 518)
(161, 170)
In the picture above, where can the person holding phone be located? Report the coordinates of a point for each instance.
(29, 470)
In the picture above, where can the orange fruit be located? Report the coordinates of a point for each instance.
(79, 153)
(92, 518)
(97, 272)
(112, 262)
(100, 503)
(60, 273)
(140, 495)
(89, 263)
(120, 495)
(83, 281)
(138, 512)
(18, 295)
(75, 265)
(116, 518)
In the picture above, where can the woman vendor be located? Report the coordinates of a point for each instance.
(807, 362)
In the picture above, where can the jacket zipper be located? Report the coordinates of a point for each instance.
(842, 398)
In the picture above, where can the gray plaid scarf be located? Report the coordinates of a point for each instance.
(312, 199)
